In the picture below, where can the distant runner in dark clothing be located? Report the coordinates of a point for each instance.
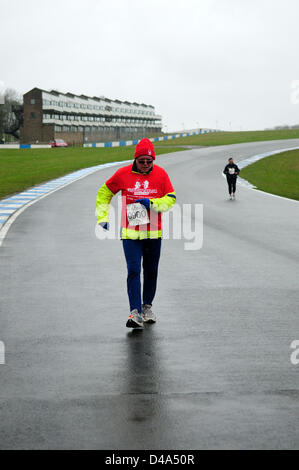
(231, 171)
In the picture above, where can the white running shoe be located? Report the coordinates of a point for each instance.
(135, 320)
(148, 315)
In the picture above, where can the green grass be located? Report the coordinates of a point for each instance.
(21, 169)
(226, 138)
(277, 174)
(24, 168)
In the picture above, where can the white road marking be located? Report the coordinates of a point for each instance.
(246, 184)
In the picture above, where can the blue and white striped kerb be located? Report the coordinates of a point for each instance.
(12, 204)
(125, 143)
(24, 146)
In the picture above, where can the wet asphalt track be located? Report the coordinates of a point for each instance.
(213, 373)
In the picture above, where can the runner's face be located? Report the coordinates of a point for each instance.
(144, 163)
(230, 161)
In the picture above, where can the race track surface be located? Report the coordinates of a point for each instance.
(213, 373)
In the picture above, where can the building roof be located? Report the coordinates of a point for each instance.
(101, 98)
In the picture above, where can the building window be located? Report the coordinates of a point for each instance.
(87, 129)
(74, 128)
(57, 128)
(66, 129)
(80, 128)
(32, 101)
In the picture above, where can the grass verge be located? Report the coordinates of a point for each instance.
(277, 174)
(24, 168)
(226, 138)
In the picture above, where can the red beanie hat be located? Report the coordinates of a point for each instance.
(145, 147)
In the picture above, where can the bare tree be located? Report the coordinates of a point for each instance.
(11, 114)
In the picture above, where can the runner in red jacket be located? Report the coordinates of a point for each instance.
(147, 191)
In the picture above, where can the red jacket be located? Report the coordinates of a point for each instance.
(133, 185)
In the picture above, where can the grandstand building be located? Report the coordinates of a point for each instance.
(79, 119)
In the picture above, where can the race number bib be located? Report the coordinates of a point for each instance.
(231, 171)
(137, 214)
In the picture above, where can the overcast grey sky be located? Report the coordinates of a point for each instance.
(209, 63)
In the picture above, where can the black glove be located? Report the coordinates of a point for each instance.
(105, 225)
(145, 202)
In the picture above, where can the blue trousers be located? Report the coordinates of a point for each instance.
(148, 251)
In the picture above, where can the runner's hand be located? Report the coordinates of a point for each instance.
(145, 202)
(105, 225)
